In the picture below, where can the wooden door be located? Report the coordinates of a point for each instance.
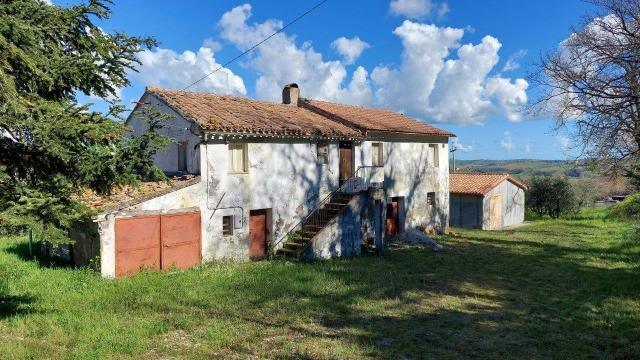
(257, 234)
(495, 212)
(180, 234)
(392, 217)
(346, 161)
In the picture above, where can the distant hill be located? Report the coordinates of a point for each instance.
(525, 168)
(601, 185)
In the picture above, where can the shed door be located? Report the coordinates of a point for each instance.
(157, 242)
(495, 212)
(137, 244)
(346, 161)
(180, 240)
(257, 233)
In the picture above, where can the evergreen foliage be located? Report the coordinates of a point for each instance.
(51, 147)
(551, 195)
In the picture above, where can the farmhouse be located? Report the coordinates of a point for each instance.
(486, 201)
(302, 179)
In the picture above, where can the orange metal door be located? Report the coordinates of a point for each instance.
(180, 240)
(257, 233)
(137, 244)
(392, 217)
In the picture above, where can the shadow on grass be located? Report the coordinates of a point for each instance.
(21, 249)
(11, 305)
(479, 299)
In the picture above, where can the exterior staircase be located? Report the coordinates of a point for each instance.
(300, 238)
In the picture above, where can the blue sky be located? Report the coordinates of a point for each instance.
(502, 39)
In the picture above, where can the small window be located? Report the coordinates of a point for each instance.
(377, 158)
(227, 225)
(431, 198)
(322, 149)
(182, 156)
(434, 159)
(238, 158)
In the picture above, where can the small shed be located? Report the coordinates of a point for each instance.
(485, 201)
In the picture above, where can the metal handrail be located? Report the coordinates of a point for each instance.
(320, 204)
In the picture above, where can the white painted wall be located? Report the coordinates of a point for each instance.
(175, 127)
(512, 205)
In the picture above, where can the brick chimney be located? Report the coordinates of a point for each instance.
(290, 94)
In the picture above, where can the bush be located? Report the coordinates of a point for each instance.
(629, 209)
(549, 195)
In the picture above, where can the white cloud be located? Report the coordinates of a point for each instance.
(513, 62)
(455, 143)
(507, 143)
(412, 9)
(431, 85)
(438, 78)
(349, 49)
(443, 9)
(280, 61)
(167, 68)
(564, 142)
(527, 148)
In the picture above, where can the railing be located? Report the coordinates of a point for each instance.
(315, 217)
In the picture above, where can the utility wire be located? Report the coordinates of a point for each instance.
(258, 44)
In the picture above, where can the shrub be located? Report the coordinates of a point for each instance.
(629, 209)
(549, 195)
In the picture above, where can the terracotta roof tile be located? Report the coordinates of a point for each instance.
(376, 119)
(479, 184)
(125, 196)
(244, 115)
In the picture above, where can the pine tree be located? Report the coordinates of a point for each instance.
(51, 147)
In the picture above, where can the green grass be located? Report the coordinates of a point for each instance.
(554, 289)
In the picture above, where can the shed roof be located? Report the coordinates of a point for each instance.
(235, 114)
(122, 197)
(479, 184)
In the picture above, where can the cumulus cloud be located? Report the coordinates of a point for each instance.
(349, 49)
(412, 9)
(280, 61)
(432, 85)
(438, 78)
(167, 68)
(527, 148)
(507, 143)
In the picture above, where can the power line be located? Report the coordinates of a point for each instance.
(258, 44)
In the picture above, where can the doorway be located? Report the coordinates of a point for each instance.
(258, 234)
(346, 161)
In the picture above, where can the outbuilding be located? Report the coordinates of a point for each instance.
(485, 201)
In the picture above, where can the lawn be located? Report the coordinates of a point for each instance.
(553, 289)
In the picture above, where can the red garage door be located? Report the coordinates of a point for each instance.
(157, 242)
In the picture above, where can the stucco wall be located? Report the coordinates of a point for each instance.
(407, 173)
(512, 205)
(175, 127)
(286, 177)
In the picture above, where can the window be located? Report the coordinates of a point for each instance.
(227, 225)
(431, 199)
(377, 158)
(182, 156)
(434, 159)
(238, 158)
(322, 149)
